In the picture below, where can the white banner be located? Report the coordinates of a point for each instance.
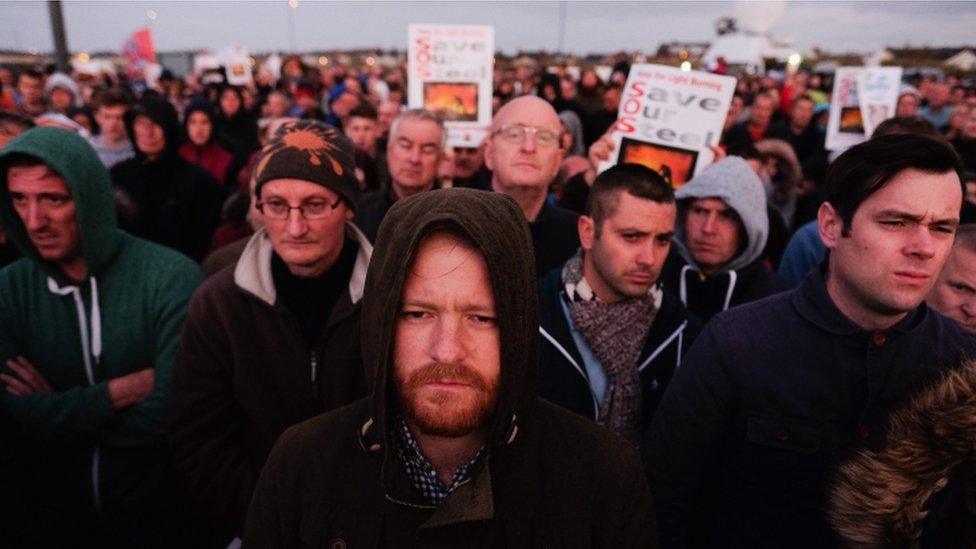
(450, 71)
(862, 98)
(668, 119)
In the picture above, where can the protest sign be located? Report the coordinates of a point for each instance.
(862, 98)
(668, 119)
(878, 93)
(450, 68)
(237, 63)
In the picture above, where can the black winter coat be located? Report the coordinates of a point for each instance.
(708, 296)
(772, 396)
(245, 374)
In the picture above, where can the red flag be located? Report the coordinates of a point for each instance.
(138, 51)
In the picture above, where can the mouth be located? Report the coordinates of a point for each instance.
(912, 277)
(448, 384)
(640, 278)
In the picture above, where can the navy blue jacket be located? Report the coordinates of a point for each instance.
(770, 398)
(563, 378)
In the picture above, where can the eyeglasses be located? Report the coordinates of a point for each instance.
(280, 209)
(515, 134)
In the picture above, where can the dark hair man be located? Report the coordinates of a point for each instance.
(30, 94)
(723, 225)
(89, 326)
(273, 340)
(806, 138)
(453, 448)
(362, 128)
(174, 202)
(413, 152)
(757, 126)
(610, 337)
(774, 393)
(112, 144)
(524, 151)
(954, 293)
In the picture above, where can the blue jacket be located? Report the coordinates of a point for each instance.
(770, 398)
(563, 372)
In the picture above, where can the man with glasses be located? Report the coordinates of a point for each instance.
(413, 152)
(524, 151)
(273, 340)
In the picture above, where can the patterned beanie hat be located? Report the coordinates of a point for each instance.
(312, 151)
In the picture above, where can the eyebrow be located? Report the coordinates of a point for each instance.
(898, 214)
(466, 306)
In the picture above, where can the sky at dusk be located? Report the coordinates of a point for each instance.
(589, 26)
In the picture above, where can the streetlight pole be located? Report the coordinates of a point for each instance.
(292, 6)
(57, 29)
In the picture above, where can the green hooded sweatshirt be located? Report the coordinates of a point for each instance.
(126, 315)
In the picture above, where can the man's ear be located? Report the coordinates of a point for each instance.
(487, 150)
(586, 227)
(830, 225)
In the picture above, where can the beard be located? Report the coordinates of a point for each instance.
(446, 412)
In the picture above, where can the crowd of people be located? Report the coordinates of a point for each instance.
(289, 315)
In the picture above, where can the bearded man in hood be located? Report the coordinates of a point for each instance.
(453, 447)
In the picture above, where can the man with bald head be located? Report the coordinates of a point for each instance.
(524, 151)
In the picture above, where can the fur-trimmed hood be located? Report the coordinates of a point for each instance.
(878, 499)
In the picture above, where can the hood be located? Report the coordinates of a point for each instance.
(496, 226)
(89, 183)
(63, 81)
(161, 112)
(205, 108)
(878, 499)
(733, 181)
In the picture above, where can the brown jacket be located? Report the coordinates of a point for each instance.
(548, 479)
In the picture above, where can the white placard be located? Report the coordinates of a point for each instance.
(237, 61)
(862, 98)
(450, 71)
(878, 92)
(668, 119)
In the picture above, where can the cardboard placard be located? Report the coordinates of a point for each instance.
(862, 98)
(450, 71)
(668, 118)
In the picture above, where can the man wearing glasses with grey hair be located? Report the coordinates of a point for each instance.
(273, 340)
(524, 151)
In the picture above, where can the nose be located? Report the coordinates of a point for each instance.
(415, 155)
(297, 226)
(36, 218)
(528, 142)
(969, 307)
(922, 244)
(645, 257)
(448, 346)
(710, 220)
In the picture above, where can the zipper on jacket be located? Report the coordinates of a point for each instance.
(314, 369)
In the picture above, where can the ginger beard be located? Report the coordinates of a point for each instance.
(447, 345)
(446, 412)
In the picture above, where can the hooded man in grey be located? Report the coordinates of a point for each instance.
(720, 235)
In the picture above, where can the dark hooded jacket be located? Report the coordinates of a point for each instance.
(89, 472)
(209, 156)
(166, 200)
(547, 477)
(237, 134)
(745, 277)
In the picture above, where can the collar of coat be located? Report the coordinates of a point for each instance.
(813, 303)
(253, 271)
